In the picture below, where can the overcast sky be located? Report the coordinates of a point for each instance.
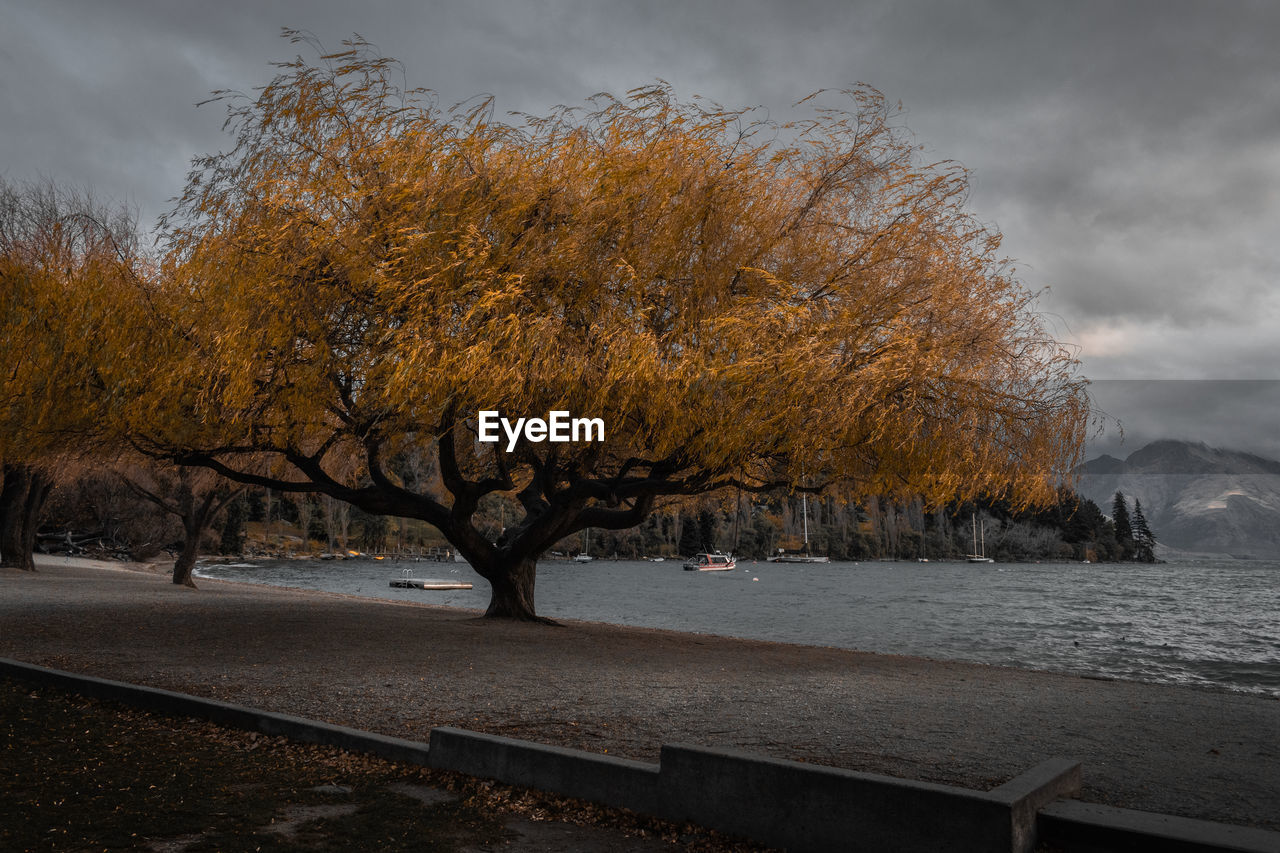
(1128, 151)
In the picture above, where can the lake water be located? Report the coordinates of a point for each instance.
(1212, 623)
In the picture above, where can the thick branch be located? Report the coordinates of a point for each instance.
(204, 460)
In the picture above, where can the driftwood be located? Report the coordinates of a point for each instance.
(82, 542)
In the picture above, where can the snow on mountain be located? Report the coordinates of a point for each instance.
(1195, 497)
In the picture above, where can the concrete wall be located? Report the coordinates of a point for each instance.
(222, 713)
(616, 782)
(797, 806)
(804, 807)
(1088, 827)
(781, 803)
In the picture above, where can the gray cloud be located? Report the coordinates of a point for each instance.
(1230, 414)
(1130, 153)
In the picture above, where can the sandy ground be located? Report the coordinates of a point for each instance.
(403, 668)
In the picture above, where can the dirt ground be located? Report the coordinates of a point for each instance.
(404, 668)
(80, 774)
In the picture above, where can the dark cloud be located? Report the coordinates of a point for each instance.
(1127, 151)
(1228, 414)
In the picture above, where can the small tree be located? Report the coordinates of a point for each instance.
(194, 496)
(1124, 528)
(1144, 540)
(337, 522)
(231, 540)
(306, 508)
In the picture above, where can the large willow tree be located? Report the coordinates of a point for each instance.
(745, 305)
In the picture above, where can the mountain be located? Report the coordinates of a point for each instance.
(1195, 497)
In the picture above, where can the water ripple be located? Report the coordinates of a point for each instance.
(1209, 623)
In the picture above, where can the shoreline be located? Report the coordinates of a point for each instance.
(161, 568)
(477, 612)
(1207, 753)
(1139, 663)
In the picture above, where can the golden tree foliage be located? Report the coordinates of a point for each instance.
(743, 303)
(65, 265)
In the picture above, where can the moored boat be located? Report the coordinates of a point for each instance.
(783, 557)
(979, 554)
(713, 562)
(406, 580)
(803, 556)
(584, 556)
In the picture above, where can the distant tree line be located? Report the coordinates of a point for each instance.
(104, 514)
(97, 513)
(1071, 528)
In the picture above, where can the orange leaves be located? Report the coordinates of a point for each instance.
(803, 299)
(69, 273)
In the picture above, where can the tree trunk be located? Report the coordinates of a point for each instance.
(512, 596)
(21, 499)
(12, 497)
(195, 520)
(186, 562)
(38, 491)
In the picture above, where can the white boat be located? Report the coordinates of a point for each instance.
(979, 554)
(714, 562)
(585, 556)
(803, 556)
(783, 557)
(407, 581)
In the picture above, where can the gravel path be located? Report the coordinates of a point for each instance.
(405, 668)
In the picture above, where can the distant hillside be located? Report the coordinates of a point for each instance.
(1196, 498)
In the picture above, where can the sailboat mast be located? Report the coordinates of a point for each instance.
(737, 514)
(804, 503)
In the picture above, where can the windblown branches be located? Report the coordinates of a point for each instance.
(803, 294)
(66, 265)
(743, 302)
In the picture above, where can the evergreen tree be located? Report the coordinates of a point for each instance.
(232, 539)
(707, 530)
(373, 529)
(690, 542)
(1143, 539)
(1124, 528)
